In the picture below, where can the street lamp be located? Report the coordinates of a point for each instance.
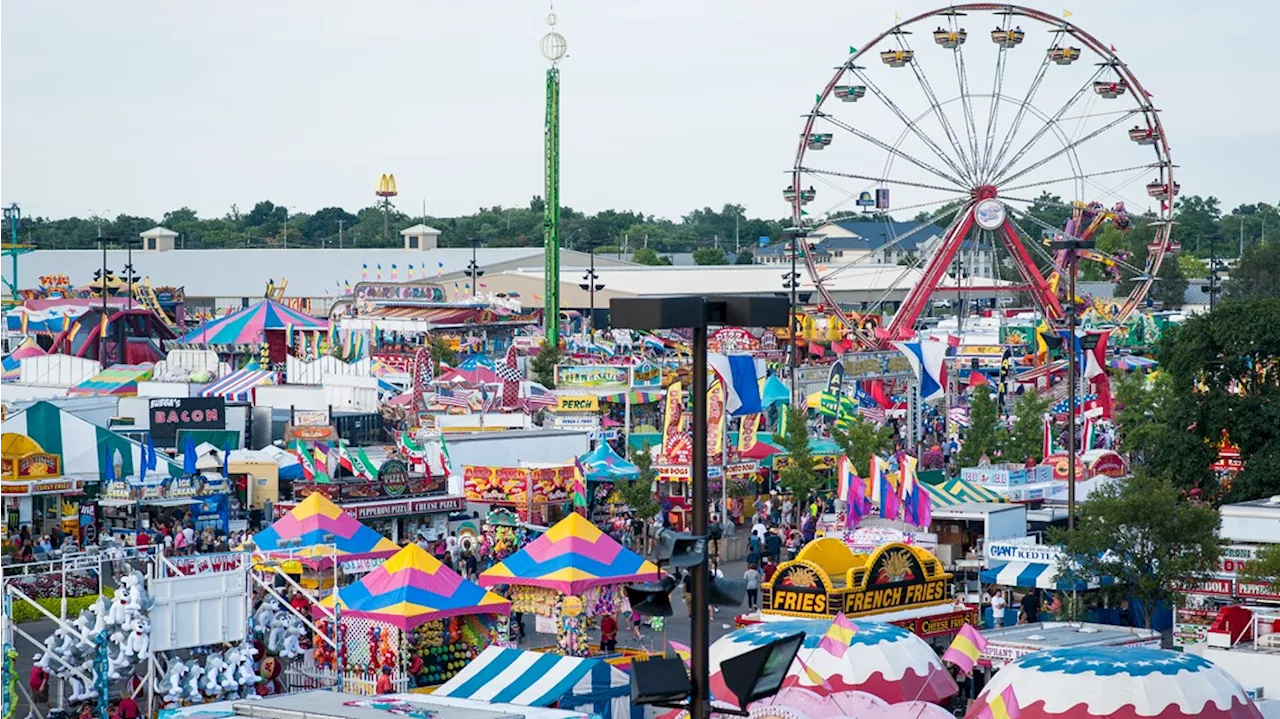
(957, 274)
(1214, 288)
(696, 312)
(791, 281)
(1088, 342)
(129, 276)
(473, 270)
(591, 284)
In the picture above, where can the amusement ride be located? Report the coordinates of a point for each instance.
(975, 137)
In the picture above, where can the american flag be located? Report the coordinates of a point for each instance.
(538, 397)
(452, 398)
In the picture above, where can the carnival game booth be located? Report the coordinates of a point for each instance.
(899, 584)
(416, 616)
(312, 536)
(883, 660)
(1119, 682)
(568, 578)
(537, 679)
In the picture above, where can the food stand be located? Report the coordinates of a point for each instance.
(396, 503)
(32, 484)
(896, 583)
(568, 577)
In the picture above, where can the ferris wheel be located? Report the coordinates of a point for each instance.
(977, 122)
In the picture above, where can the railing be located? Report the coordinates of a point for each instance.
(304, 677)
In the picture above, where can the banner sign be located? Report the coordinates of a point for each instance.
(310, 418)
(589, 375)
(1016, 552)
(876, 365)
(510, 485)
(391, 483)
(398, 291)
(170, 414)
(646, 374)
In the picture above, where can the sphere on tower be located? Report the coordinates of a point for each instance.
(387, 186)
(554, 46)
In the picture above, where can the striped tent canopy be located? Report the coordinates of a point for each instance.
(10, 367)
(474, 370)
(970, 492)
(84, 446)
(119, 380)
(1039, 575)
(540, 679)
(571, 557)
(635, 396)
(939, 497)
(413, 588)
(316, 523)
(249, 325)
(239, 386)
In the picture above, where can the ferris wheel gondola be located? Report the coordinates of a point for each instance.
(991, 157)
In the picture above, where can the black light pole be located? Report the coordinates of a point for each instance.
(1072, 245)
(958, 273)
(102, 339)
(473, 270)
(590, 284)
(1215, 282)
(791, 281)
(128, 267)
(698, 313)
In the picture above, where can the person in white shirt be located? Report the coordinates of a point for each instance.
(997, 608)
(451, 546)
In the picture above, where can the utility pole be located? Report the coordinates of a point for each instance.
(340, 222)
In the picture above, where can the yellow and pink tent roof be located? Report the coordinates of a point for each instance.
(413, 588)
(323, 529)
(571, 557)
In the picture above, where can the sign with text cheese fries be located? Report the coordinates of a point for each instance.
(827, 578)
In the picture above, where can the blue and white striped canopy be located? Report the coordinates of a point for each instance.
(1037, 575)
(535, 679)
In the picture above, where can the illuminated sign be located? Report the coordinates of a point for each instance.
(170, 414)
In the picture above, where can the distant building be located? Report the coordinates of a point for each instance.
(885, 242)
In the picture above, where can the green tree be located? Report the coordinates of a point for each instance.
(441, 350)
(710, 256)
(1264, 568)
(544, 364)
(638, 493)
(1142, 532)
(862, 440)
(745, 258)
(1026, 439)
(1192, 267)
(646, 256)
(799, 476)
(985, 435)
(1256, 275)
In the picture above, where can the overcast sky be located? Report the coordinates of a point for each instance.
(144, 106)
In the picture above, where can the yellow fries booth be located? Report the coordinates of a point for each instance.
(897, 583)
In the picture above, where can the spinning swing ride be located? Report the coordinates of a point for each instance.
(981, 145)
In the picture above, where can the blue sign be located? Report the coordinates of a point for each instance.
(865, 200)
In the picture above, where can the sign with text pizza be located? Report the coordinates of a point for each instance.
(170, 414)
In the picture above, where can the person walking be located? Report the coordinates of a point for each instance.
(753, 576)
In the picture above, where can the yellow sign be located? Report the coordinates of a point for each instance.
(585, 403)
(827, 577)
(572, 607)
